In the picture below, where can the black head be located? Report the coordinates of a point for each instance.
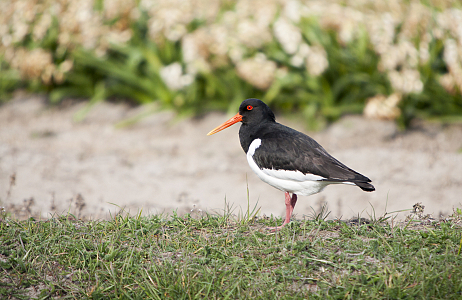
(251, 112)
(255, 111)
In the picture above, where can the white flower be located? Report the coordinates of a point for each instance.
(292, 10)
(174, 78)
(258, 71)
(317, 62)
(381, 107)
(406, 81)
(288, 35)
(448, 82)
(450, 52)
(251, 34)
(381, 31)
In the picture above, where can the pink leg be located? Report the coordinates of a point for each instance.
(290, 204)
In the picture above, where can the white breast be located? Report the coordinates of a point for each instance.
(287, 181)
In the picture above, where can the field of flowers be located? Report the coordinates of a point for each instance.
(389, 59)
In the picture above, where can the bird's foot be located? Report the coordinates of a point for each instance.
(276, 228)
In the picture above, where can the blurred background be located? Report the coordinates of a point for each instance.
(105, 104)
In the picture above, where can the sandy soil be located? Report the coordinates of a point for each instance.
(161, 164)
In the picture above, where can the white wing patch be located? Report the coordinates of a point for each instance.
(292, 175)
(287, 181)
(253, 146)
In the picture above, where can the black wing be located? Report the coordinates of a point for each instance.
(283, 148)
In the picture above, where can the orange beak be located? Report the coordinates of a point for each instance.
(233, 120)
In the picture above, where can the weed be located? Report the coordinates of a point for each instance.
(321, 215)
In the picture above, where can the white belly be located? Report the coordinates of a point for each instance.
(287, 181)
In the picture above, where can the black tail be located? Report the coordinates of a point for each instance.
(365, 186)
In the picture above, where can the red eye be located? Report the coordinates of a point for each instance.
(249, 107)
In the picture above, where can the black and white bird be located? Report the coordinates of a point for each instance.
(287, 159)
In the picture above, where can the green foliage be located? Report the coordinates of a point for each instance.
(435, 102)
(131, 70)
(9, 81)
(351, 78)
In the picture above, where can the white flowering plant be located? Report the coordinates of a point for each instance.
(391, 59)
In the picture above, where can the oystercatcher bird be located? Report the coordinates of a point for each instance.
(287, 159)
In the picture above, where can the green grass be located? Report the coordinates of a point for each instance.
(216, 256)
